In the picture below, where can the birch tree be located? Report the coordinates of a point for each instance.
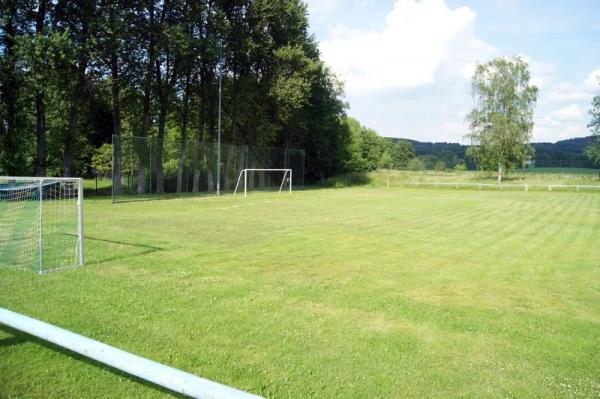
(501, 121)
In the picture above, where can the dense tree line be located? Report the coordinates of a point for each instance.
(368, 151)
(74, 73)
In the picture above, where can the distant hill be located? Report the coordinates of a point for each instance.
(565, 153)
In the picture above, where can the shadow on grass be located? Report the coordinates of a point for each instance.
(12, 341)
(123, 199)
(19, 337)
(345, 180)
(146, 249)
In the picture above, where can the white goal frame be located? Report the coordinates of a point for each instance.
(38, 184)
(244, 172)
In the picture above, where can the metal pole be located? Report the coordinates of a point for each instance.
(157, 373)
(246, 183)
(219, 137)
(80, 220)
(40, 251)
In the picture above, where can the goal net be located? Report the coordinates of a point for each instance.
(264, 180)
(41, 223)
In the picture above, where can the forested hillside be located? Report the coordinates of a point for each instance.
(75, 72)
(564, 153)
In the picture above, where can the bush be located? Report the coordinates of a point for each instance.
(460, 167)
(416, 164)
(102, 160)
(440, 166)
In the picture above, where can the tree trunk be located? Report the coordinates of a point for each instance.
(40, 113)
(196, 160)
(115, 89)
(196, 180)
(162, 119)
(9, 87)
(184, 123)
(143, 157)
(70, 138)
(242, 164)
(251, 178)
(79, 93)
(180, 165)
(209, 168)
(261, 179)
(117, 132)
(40, 127)
(228, 164)
(160, 171)
(499, 172)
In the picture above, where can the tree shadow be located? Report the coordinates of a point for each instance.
(19, 337)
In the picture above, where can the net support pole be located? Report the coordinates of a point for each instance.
(41, 239)
(148, 370)
(246, 183)
(80, 221)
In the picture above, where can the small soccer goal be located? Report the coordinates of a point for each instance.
(41, 223)
(264, 180)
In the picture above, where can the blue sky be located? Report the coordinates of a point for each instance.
(406, 64)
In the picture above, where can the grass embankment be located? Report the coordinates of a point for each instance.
(353, 293)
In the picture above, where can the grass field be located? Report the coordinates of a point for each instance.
(351, 293)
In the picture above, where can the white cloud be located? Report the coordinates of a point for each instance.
(582, 92)
(567, 113)
(418, 38)
(592, 82)
(567, 92)
(319, 9)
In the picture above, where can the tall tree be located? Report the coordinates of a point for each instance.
(402, 152)
(114, 45)
(593, 149)
(12, 158)
(167, 70)
(148, 29)
(40, 113)
(502, 117)
(77, 19)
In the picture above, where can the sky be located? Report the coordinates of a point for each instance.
(407, 64)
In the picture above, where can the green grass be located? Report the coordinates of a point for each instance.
(354, 293)
(561, 170)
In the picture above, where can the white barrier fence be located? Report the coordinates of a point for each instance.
(502, 186)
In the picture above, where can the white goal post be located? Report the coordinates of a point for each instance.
(41, 223)
(287, 178)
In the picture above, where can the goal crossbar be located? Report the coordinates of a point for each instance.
(244, 172)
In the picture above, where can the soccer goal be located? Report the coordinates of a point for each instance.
(41, 223)
(264, 179)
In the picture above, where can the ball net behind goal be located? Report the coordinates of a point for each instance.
(145, 166)
(40, 223)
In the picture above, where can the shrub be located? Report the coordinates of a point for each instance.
(416, 164)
